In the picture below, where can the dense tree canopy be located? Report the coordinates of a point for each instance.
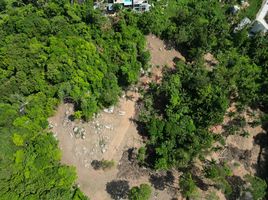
(53, 51)
(190, 99)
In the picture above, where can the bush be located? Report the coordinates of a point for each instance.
(257, 187)
(78, 114)
(188, 186)
(140, 193)
(107, 164)
(102, 164)
(141, 155)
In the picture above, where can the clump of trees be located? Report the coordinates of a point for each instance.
(188, 187)
(178, 112)
(54, 51)
(64, 55)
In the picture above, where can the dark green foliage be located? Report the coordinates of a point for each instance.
(193, 26)
(143, 192)
(256, 49)
(179, 112)
(191, 99)
(103, 164)
(3, 5)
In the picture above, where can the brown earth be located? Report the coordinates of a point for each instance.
(109, 135)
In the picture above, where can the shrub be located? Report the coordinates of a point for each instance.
(107, 164)
(141, 155)
(140, 193)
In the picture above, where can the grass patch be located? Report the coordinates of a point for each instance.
(252, 10)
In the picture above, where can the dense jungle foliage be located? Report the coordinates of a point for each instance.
(178, 113)
(53, 51)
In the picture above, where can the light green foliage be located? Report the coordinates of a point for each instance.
(187, 186)
(53, 51)
(143, 192)
(18, 140)
(107, 164)
(141, 155)
(62, 56)
(257, 187)
(78, 114)
(218, 173)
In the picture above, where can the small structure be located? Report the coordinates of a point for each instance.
(244, 22)
(235, 9)
(137, 5)
(260, 25)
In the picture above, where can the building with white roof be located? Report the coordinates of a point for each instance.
(138, 5)
(260, 25)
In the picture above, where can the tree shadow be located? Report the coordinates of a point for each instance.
(262, 162)
(200, 183)
(96, 164)
(162, 181)
(236, 184)
(118, 189)
(71, 118)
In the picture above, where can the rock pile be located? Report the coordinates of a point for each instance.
(79, 132)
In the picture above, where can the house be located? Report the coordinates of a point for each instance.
(244, 22)
(137, 5)
(260, 25)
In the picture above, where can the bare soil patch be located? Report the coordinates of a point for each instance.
(161, 54)
(109, 136)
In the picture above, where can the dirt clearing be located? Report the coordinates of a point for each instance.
(109, 136)
(161, 54)
(113, 135)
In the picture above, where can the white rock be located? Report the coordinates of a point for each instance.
(109, 110)
(122, 113)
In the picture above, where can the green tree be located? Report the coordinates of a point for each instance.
(188, 186)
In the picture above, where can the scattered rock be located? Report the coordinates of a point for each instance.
(109, 110)
(67, 113)
(79, 132)
(55, 134)
(108, 127)
(103, 150)
(50, 126)
(122, 113)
